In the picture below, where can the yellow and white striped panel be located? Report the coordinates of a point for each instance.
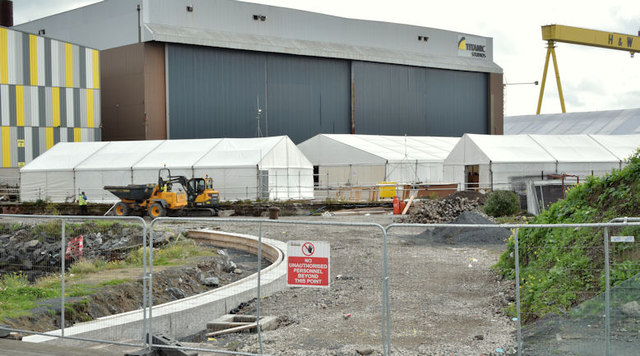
(36, 61)
(68, 60)
(4, 56)
(92, 65)
(6, 146)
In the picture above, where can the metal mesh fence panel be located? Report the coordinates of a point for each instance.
(584, 305)
(342, 318)
(444, 297)
(64, 276)
(574, 291)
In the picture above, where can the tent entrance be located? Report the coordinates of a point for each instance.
(472, 174)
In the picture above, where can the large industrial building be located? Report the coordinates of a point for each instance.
(179, 69)
(49, 93)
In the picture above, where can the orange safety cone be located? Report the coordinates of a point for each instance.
(402, 206)
(396, 205)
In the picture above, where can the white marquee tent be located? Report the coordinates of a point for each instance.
(365, 160)
(502, 159)
(242, 168)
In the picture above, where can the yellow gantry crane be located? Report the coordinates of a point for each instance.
(585, 37)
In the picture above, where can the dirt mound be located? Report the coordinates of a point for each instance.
(468, 235)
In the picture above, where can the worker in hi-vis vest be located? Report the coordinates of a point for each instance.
(82, 203)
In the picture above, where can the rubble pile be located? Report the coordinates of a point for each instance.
(438, 211)
(36, 252)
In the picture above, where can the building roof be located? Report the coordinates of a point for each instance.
(256, 27)
(611, 122)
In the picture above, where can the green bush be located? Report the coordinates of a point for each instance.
(502, 203)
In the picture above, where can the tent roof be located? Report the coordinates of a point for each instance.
(181, 154)
(476, 149)
(265, 151)
(327, 149)
(622, 146)
(177, 153)
(63, 156)
(119, 155)
(612, 122)
(574, 148)
(504, 149)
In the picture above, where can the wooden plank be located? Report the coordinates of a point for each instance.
(406, 208)
(232, 330)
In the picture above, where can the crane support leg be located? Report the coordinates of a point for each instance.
(544, 79)
(555, 67)
(550, 53)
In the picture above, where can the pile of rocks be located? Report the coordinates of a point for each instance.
(36, 252)
(438, 211)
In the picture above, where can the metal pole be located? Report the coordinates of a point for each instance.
(258, 326)
(149, 335)
(144, 290)
(62, 261)
(386, 312)
(517, 265)
(607, 294)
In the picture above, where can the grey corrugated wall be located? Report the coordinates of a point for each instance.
(398, 100)
(214, 92)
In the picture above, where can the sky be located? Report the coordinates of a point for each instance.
(593, 79)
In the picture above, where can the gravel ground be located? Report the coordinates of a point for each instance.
(444, 298)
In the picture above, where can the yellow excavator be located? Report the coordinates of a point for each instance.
(159, 199)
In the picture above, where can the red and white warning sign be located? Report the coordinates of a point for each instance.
(308, 263)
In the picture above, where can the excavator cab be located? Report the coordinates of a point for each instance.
(200, 193)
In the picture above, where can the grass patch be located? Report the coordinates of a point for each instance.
(18, 296)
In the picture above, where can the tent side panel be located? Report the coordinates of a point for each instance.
(92, 182)
(430, 172)
(59, 187)
(504, 174)
(292, 183)
(234, 183)
(584, 169)
(32, 186)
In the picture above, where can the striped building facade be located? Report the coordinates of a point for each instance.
(49, 93)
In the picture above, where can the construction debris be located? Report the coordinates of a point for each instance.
(438, 211)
